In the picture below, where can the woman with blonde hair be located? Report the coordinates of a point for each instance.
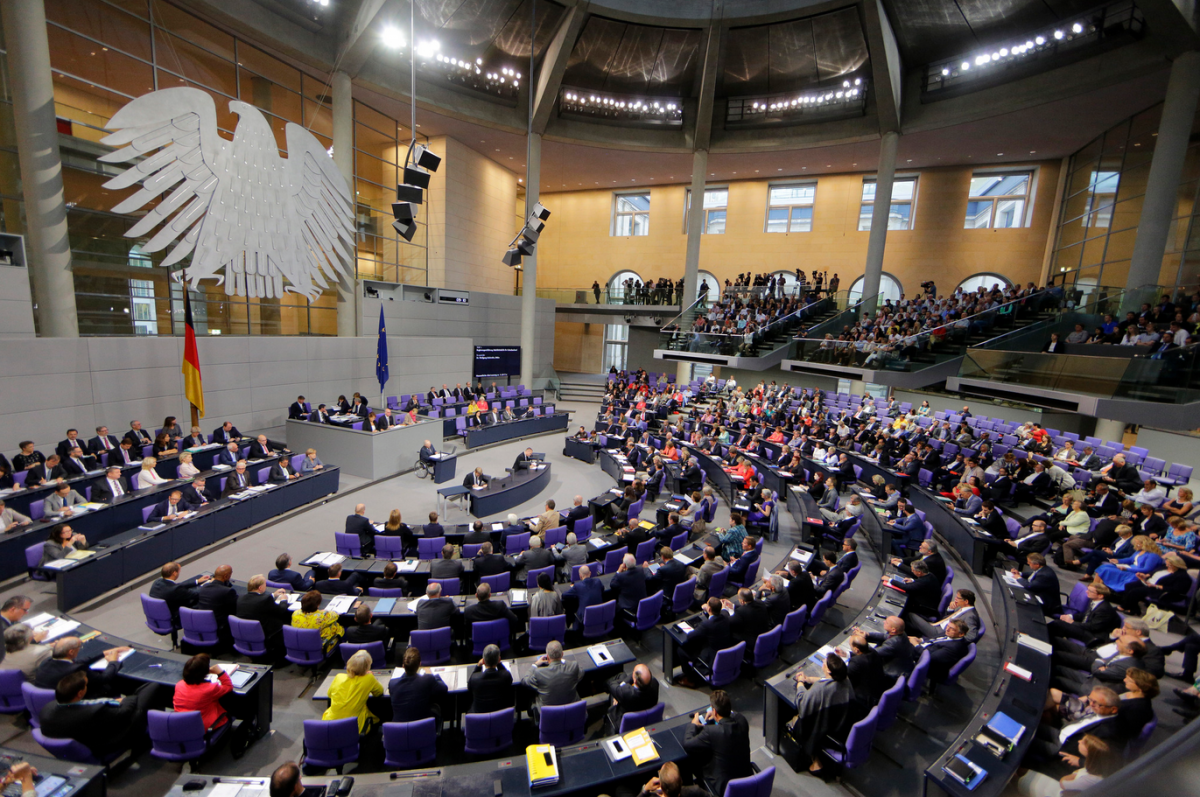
(186, 469)
(148, 476)
(349, 692)
(311, 462)
(1096, 761)
(1119, 573)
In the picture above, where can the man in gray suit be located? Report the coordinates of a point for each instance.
(553, 679)
(61, 500)
(961, 608)
(573, 554)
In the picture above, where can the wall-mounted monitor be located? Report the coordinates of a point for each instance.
(497, 361)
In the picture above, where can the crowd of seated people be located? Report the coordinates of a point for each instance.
(905, 327)
(1162, 328)
(736, 322)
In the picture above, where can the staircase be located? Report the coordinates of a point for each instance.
(582, 387)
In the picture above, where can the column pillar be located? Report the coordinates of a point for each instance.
(1170, 149)
(343, 158)
(879, 219)
(1110, 430)
(691, 260)
(533, 182)
(48, 249)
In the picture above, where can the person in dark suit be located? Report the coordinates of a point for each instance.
(946, 651)
(359, 525)
(799, 585)
(1093, 624)
(390, 578)
(523, 459)
(261, 448)
(334, 584)
(750, 618)
(1050, 744)
(907, 531)
(477, 535)
(168, 588)
(199, 493)
(1042, 581)
(269, 609)
(929, 554)
(138, 436)
(475, 479)
(923, 592)
(775, 598)
(433, 528)
(366, 629)
(739, 567)
(282, 575)
(103, 726)
(490, 686)
(671, 574)
(893, 647)
(194, 440)
(111, 487)
(579, 511)
(297, 411)
(833, 577)
(714, 633)
(490, 564)
(282, 472)
(385, 421)
(865, 670)
(721, 744)
(447, 566)
(587, 591)
(230, 455)
(65, 659)
(693, 477)
(637, 691)
(226, 433)
(75, 463)
(427, 451)
(629, 584)
(486, 609)
(962, 607)
(436, 611)
(218, 596)
(103, 442)
(170, 509)
(415, 696)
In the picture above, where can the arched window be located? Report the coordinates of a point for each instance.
(985, 280)
(889, 288)
(714, 285)
(790, 283)
(617, 287)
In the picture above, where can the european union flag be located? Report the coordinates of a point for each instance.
(381, 355)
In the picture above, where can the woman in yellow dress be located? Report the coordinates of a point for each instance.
(309, 615)
(349, 692)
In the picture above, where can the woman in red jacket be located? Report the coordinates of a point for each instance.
(196, 693)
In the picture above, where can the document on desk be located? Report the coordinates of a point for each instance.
(101, 663)
(1044, 647)
(225, 790)
(617, 749)
(684, 627)
(38, 619)
(601, 655)
(497, 527)
(597, 542)
(57, 564)
(341, 604)
(407, 566)
(59, 627)
(414, 605)
(449, 676)
(802, 556)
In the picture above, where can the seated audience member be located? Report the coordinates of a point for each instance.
(945, 651)
(229, 456)
(669, 783)
(1096, 760)
(587, 591)
(488, 563)
(350, 690)
(227, 433)
(637, 691)
(186, 469)
(359, 525)
(366, 628)
(64, 659)
(11, 519)
(311, 615)
(1091, 625)
(282, 472)
(553, 679)
(962, 607)
(545, 601)
(1053, 749)
(447, 566)
(416, 696)
(148, 476)
(434, 611)
(311, 462)
(103, 725)
(487, 609)
(218, 595)
(282, 575)
(237, 481)
(823, 707)
(200, 493)
(269, 609)
(490, 686)
(893, 647)
(334, 584)
(176, 593)
(62, 541)
(171, 509)
(195, 692)
(22, 653)
(720, 745)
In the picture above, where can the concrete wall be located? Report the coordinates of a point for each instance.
(577, 246)
(16, 304)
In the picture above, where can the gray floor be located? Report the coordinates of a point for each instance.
(902, 752)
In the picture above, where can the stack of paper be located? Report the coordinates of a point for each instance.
(1006, 728)
(101, 663)
(341, 604)
(542, 761)
(1043, 647)
(641, 746)
(59, 628)
(324, 559)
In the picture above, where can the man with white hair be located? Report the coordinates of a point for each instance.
(514, 526)
(554, 679)
(629, 584)
(537, 557)
(774, 596)
(579, 511)
(436, 611)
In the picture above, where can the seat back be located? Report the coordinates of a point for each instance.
(347, 544)
(248, 637)
(515, 543)
(766, 647)
(683, 596)
(434, 644)
(378, 654)
(562, 725)
(556, 535)
(612, 560)
(33, 558)
(158, 615)
(727, 665)
(648, 612)
(303, 646)
(645, 551)
(598, 620)
(819, 609)
(409, 744)
(176, 736)
(889, 703)
(960, 665)
(793, 626)
(389, 546)
(199, 627)
(583, 528)
(858, 742)
(65, 749)
(380, 592)
(430, 547)
(1077, 601)
(632, 720)
(679, 540)
(918, 677)
(450, 586)
(487, 734)
(531, 578)
(499, 582)
(544, 629)
(330, 743)
(12, 699)
(716, 584)
(1134, 747)
(34, 698)
(490, 632)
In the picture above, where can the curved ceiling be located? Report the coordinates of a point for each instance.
(488, 29)
(638, 59)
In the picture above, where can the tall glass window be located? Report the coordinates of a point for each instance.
(616, 346)
(790, 207)
(631, 214)
(904, 203)
(716, 204)
(998, 200)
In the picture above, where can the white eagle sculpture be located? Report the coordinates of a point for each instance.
(269, 224)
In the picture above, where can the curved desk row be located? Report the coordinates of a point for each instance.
(511, 430)
(124, 557)
(100, 524)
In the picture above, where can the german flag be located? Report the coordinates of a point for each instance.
(193, 389)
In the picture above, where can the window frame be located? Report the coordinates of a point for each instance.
(1103, 214)
(687, 206)
(791, 207)
(1027, 198)
(915, 177)
(617, 215)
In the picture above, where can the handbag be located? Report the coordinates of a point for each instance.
(1157, 618)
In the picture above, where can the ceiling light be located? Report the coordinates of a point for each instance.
(392, 37)
(1077, 28)
(1040, 40)
(1058, 34)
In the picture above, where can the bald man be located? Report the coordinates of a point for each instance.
(636, 691)
(360, 525)
(218, 595)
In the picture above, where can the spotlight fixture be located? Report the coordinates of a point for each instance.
(512, 258)
(422, 156)
(524, 243)
(418, 165)
(540, 211)
(392, 37)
